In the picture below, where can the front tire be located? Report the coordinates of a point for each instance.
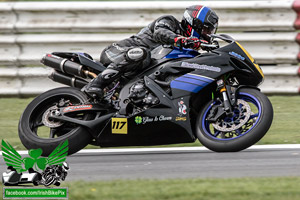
(32, 129)
(212, 136)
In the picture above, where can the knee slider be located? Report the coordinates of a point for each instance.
(136, 54)
(109, 73)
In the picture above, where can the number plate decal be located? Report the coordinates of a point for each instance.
(119, 125)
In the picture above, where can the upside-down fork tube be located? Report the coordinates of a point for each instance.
(223, 91)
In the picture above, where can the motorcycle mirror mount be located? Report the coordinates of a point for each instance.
(224, 37)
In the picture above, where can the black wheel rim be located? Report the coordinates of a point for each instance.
(38, 128)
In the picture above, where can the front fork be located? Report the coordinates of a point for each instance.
(228, 94)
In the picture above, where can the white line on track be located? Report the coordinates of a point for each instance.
(172, 149)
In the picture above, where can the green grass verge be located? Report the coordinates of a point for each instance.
(284, 130)
(285, 188)
(189, 189)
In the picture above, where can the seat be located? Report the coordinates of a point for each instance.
(87, 60)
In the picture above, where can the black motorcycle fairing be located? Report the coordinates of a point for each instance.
(246, 70)
(171, 126)
(196, 73)
(124, 102)
(160, 52)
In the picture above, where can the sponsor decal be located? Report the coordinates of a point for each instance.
(144, 120)
(138, 119)
(203, 67)
(236, 55)
(182, 108)
(119, 126)
(34, 169)
(76, 108)
(180, 119)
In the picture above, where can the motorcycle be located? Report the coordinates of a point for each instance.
(53, 175)
(184, 95)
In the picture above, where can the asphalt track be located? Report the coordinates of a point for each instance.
(189, 162)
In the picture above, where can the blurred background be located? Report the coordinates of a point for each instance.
(267, 29)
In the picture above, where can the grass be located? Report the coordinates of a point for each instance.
(284, 130)
(189, 189)
(284, 188)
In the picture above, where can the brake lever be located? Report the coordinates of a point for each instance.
(209, 45)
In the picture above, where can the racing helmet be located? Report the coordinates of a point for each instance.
(65, 166)
(199, 21)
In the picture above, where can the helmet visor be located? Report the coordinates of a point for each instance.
(208, 30)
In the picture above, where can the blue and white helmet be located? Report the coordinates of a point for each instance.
(199, 21)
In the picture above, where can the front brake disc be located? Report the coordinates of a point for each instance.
(235, 122)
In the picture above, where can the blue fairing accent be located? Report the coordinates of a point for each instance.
(190, 82)
(184, 53)
(186, 86)
(199, 77)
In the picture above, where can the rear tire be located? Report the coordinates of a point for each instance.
(214, 142)
(78, 137)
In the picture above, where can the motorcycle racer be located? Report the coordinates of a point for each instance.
(132, 55)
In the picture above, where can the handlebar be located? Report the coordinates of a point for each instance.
(212, 46)
(206, 45)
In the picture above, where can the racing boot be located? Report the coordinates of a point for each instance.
(94, 88)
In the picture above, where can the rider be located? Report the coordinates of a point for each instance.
(131, 55)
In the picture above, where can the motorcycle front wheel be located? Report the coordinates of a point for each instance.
(37, 130)
(251, 119)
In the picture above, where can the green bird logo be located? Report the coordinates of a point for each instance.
(14, 159)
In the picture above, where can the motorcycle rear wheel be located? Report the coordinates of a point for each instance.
(227, 135)
(32, 129)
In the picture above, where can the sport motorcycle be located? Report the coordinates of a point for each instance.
(182, 96)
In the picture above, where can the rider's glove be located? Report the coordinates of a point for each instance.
(184, 42)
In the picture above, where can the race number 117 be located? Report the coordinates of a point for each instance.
(119, 125)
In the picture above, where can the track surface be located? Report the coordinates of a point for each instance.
(182, 163)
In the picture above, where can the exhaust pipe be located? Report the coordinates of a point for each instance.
(66, 66)
(62, 64)
(67, 80)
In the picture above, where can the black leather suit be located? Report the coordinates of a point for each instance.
(119, 59)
